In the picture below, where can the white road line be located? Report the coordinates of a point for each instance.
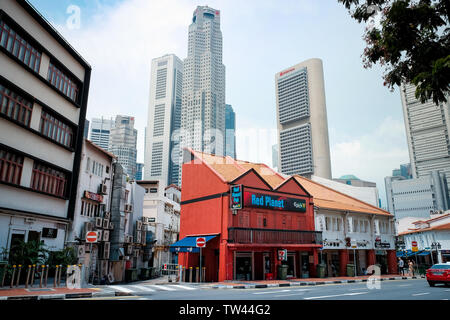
(337, 295)
(405, 285)
(447, 290)
(289, 294)
(144, 288)
(266, 292)
(420, 294)
(183, 287)
(167, 288)
(123, 289)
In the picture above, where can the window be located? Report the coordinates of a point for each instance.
(88, 164)
(19, 48)
(10, 167)
(90, 208)
(14, 106)
(56, 130)
(62, 82)
(48, 180)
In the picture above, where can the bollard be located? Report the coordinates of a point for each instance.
(18, 275)
(4, 275)
(28, 276)
(59, 275)
(203, 274)
(13, 275)
(42, 275)
(190, 274)
(46, 275)
(196, 274)
(32, 275)
(56, 276)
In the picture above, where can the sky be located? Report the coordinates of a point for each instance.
(119, 38)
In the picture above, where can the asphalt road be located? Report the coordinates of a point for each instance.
(414, 289)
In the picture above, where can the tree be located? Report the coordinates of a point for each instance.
(412, 43)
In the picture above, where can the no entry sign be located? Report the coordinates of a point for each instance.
(91, 237)
(200, 242)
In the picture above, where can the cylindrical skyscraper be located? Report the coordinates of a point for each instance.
(304, 148)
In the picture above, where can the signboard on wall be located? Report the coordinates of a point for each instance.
(236, 197)
(268, 201)
(93, 196)
(49, 233)
(282, 255)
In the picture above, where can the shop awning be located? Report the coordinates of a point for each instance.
(407, 254)
(188, 244)
(424, 253)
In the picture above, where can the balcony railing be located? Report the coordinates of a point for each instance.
(267, 236)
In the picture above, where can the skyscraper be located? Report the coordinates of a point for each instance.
(427, 132)
(230, 131)
(203, 102)
(122, 143)
(164, 117)
(100, 131)
(302, 120)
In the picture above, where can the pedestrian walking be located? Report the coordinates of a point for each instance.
(411, 267)
(401, 265)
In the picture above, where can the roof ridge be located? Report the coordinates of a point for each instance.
(343, 194)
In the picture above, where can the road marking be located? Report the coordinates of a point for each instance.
(420, 294)
(447, 290)
(291, 294)
(167, 288)
(145, 288)
(336, 295)
(271, 292)
(405, 285)
(121, 289)
(183, 287)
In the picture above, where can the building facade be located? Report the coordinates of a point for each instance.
(302, 120)
(122, 143)
(162, 216)
(164, 119)
(100, 131)
(427, 131)
(230, 131)
(139, 171)
(417, 197)
(275, 156)
(404, 171)
(203, 95)
(44, 86)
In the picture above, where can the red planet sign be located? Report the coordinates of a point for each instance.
(200, 242)
(91, 236)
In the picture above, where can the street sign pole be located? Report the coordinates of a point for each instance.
(200, 264)
(354, 258)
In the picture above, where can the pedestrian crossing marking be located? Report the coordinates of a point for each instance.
(167, 288)
(120, 288)
(183, 287)
(144, 288)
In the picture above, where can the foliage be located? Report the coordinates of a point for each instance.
(66, 256)
(27, 253)
(412, 43)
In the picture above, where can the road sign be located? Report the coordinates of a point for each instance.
(200, 242)
(414, 246)
(414, 243)
(91, 237)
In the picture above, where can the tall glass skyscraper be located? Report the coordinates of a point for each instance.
(203, 97)
(230, 132)
(100, 131)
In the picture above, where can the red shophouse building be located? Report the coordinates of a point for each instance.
(276, 214)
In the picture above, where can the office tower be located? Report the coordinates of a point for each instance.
(230, 131)
(203, 102)
(302, 120)
(417, 197)
(86, 129)
(404, 171)
(100, 131)
(44, 87)
(427, 132)
(275, 156)
(139, 168)
(164, 117)
(122, 143)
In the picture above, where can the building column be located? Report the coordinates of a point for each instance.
(392, 262)
(343, 261)
(224, 263)
(370, 257)
(312, 266)
(275, 263)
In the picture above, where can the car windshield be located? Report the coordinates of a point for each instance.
(441, 266)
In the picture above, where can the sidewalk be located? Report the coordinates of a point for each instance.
(37, 293)
(300, 282)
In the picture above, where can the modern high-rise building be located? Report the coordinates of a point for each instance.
(275, 156)
(427, 133)
(230, 131)
(86, 129)
(139, 168)
(203, 102)
(122, 143)
(164, 118)
(404, 171)
(100, 131)
(302, 120)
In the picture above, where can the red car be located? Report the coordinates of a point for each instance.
(439, 273)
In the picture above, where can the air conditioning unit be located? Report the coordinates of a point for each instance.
(103, 188)
(143, 237)
(136, 253)
(99, 234)
(130, 239)
(129, 249)
(107, 215)
(80, 251)
(105, 250)
(98, 222)
(105, 236)
(111, 226)
(88, 226)
(138, 237)
(128, 207)
(105, 223)
(138, 225)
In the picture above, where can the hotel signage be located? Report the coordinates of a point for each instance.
(93, 196)
(266, 201)
(236, 197)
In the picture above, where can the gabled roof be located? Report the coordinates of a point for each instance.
(325, 197)
(109, 154)
(172, 186)
(439, 227)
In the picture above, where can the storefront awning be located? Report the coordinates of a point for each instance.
(424, 253)
(407, 254)
(188, 244)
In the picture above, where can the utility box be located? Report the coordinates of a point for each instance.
(350, 270)
(282, 272)
(321, 270)
(131, 275)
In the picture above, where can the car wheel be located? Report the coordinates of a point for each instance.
(431, 283)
